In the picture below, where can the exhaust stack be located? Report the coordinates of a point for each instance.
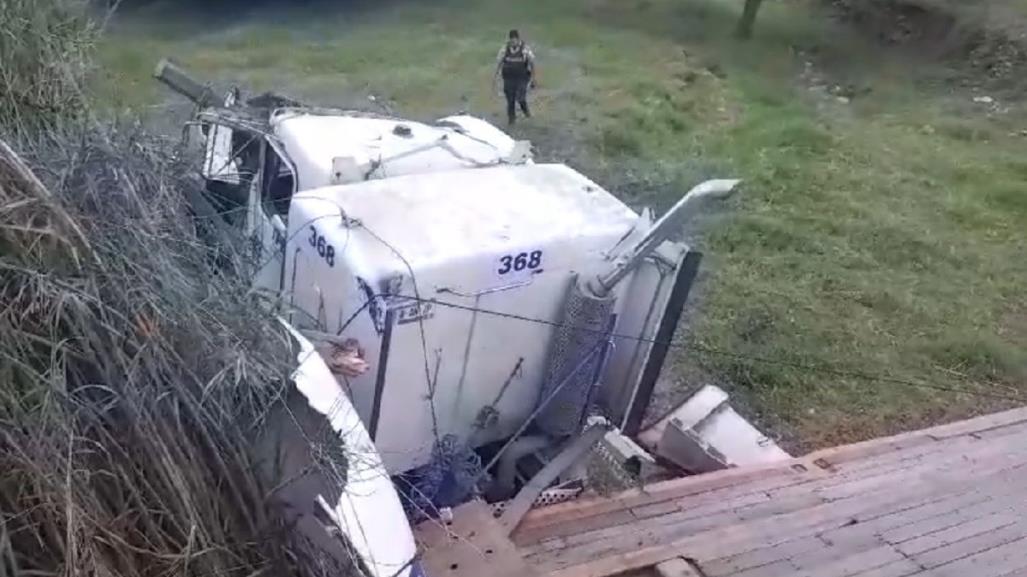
(685, 209)
(578, 349)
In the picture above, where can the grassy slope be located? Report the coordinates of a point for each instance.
(885, 235)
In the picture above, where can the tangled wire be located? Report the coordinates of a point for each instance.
(450, 479)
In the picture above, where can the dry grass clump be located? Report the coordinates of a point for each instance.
(136, 366)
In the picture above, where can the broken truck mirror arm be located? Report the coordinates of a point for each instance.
(685, 209)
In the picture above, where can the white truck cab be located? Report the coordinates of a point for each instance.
(438, 264)
(423, 241)
(492, 301)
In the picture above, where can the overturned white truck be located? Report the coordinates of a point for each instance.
(494, 306)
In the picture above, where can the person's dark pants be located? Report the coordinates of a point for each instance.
(516, 91)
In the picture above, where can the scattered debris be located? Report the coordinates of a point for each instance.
(676, 567)
(705, 434)
(618, 463)
(568, 455)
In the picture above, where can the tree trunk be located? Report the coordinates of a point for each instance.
(748, 19)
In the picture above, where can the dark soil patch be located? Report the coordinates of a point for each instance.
(979, 54)
(901, 23)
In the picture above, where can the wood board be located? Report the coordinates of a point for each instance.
(473, 544)
(931, 502)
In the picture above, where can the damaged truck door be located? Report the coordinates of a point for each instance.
(333, 487)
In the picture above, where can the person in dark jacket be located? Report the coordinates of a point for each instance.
(516, 64)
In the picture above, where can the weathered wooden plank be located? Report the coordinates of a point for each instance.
(956, 534)
(780, 506)
(690, 520)
(616, 538)
(971, 546)
(941, 500)
(617, 519)
(949, 450)
(687, 522)
(986, 497)
(993, 562)
(932, 478)
(752, 559)
(832, 552)
(778, 569)
(671, 527)
(649, 548)
(956, 518)
(831, 475)
(664, 491)
(901, 442)
(946, 468)
(679, 488)
(602, 524)
(862, 530)
(901, 568)
(890, 456)
(655, 509)
(852, 564)
(544, 547)
(629, 533)
(719, 487)
(687, 511)
(473, 545)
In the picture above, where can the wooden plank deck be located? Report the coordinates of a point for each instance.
(947, 502)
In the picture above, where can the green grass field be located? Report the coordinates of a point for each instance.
(882, 235)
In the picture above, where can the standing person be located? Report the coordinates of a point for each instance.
(516, 64)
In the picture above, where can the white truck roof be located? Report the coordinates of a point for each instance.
(328, 149)
(445, 216)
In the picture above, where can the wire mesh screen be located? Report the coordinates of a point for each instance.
(580, 335)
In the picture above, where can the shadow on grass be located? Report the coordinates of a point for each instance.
(709, 22)
(180, 19)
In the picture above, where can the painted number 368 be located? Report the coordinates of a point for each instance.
(324, 250)
(519, 262)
